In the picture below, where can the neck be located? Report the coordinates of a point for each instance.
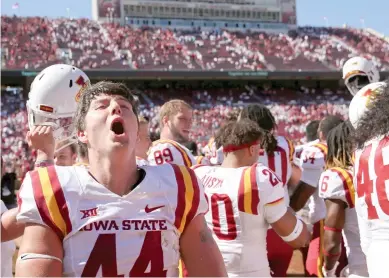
(117, 172)
(234, 160)
(166, 135)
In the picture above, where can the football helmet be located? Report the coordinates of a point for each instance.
(53, 98)
(358, 72)
(362, 100)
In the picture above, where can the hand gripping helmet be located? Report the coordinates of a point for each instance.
(53, 98)
(362, 100)
(358, 72)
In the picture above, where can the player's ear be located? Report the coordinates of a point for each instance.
(252, 150)
(82, 137)
(165, 119)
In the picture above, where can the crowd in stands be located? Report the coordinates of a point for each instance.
(34, 43)
(211, 108)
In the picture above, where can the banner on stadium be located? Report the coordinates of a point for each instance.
(109, 8)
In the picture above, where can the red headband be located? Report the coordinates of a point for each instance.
(233, 148)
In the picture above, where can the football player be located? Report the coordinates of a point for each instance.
(368, 113)
(7, 249)
(312, 163)
(175, 121)
(244, 198)
(117, 218)
(51, 104)
(144, 142)
(65, 156)
(337, 189)
(277, 153)
(359, 72)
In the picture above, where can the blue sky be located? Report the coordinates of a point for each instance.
(375, 13)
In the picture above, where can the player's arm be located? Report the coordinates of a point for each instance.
(295, 177)
(301, 195)
(312, 163)
(40, 253)
(200, 252)
(333, 226)
(10, 228)
(282, 219)
(292, 230)
(41, 250)
(41, 138)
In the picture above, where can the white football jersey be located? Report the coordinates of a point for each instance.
(169, 151)
(299, 149)
(202, 160)
(242, 203)
(141, 161)
(7, 251)
(281, 161)
(312, 163)
(105, 234)
(371, 172)
(337, 183)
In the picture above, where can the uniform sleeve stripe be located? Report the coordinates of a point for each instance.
(196, 195)
(185, 157)
(322, 147)
(348, 185)
(241, 193)
(276, 202)
(60, 198)
(189, 196)
(199, 159)
(291, 149)
(49, 192)
(41, 203)
(180, 196)
(248, 198)
(254, 189)
(197, 166)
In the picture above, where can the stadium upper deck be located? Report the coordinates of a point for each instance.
(34, 43)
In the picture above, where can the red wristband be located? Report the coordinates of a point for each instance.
(325, 253)
(326, 228)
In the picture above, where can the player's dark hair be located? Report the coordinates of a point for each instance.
(192, 146)
(311, 130)
(340, 146)
(101, 88)
(239, 133)
(328, 123)
(375, 121)
(265, 120)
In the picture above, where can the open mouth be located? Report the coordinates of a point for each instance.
(117, 127)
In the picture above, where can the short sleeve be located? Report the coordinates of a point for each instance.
(272, 194)
(337, 183)
(27, 205)
(191, 199)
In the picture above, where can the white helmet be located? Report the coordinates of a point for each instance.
(358, 72)
(362, 100)
(53, 98)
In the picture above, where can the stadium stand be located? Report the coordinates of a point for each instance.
(33, 43)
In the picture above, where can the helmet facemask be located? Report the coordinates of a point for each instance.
(63, 129)
(356, 83)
